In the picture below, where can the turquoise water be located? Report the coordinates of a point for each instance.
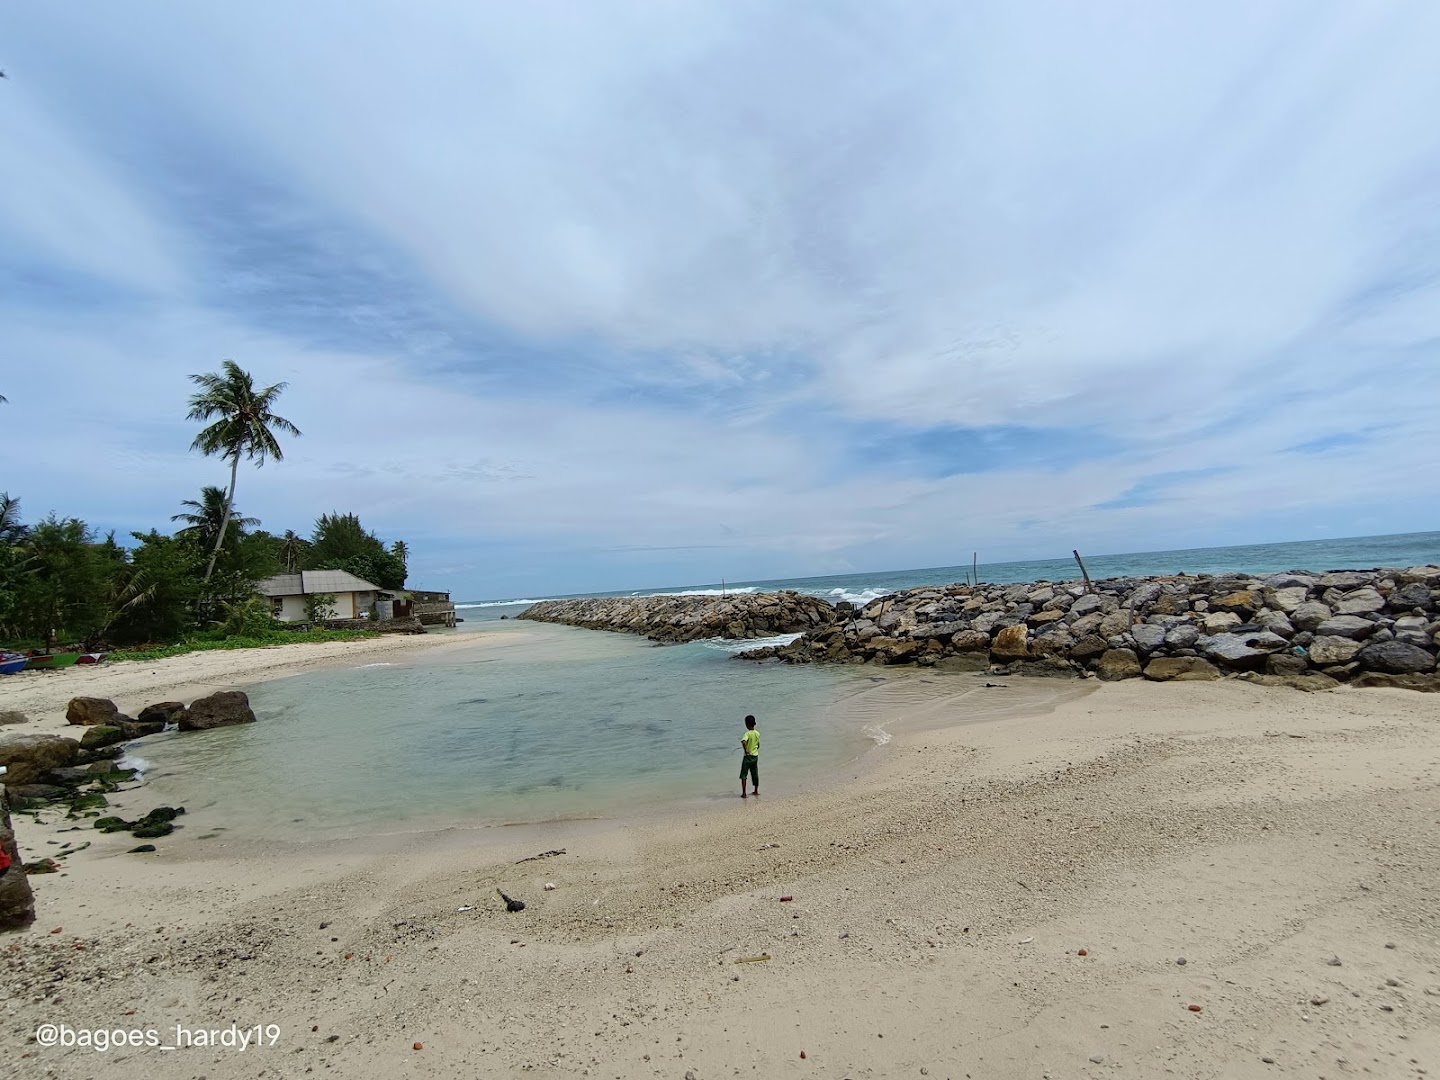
(1350, 553)
(538, 722)
(542, 722)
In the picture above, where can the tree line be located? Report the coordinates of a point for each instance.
(60, 581)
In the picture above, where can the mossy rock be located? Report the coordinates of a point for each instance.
(112, 824)
(152, 828)
(89, 801)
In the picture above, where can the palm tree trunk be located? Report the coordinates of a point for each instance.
(224, 521)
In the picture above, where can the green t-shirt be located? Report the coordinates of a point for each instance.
(751, 739)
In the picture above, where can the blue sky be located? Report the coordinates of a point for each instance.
(580, 297)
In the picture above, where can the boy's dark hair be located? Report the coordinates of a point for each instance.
(749, 721)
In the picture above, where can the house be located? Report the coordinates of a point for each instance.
(354, 597)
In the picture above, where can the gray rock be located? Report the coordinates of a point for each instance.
(1220, 622)
(1333, 650)
(1144, 595)
(1241, 651)
(1285, 599)
(1087, 648)
(1116, 622)
(1094, 602)
(10, 716)
(1148, 638)
(1345, 579)
(1351, 626)
(1359, 602)
(1286, 663)
(1396, 658)
(1183, 636)
(1276, 623)
(1411, 596)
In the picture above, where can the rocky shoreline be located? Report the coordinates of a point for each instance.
(1310, 630)
(44, 771)
(691, 618)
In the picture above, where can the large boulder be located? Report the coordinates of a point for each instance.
(1333, 650)
(1396, 658)
(27, 758)
(218, 710)
(970, 641)
(1180, 669)
(1088, 648)
(1310, 615)
(1183, 636)
(163, 712)
(1241, 651)
(1010, 644)
(1220, 622)
(98, 735)
(1351, 626)
(1093, 602)
(1286, 599)
(1243, 602)
(1148, 637)
(1411, 596)
(89, 711)
(1118, 664)
(1360, 601)
(1345, 579)
(17, 903)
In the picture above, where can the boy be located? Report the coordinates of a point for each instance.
(750, 763)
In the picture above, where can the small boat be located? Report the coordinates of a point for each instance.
(48, 661)
(13, 665)
(91, 657)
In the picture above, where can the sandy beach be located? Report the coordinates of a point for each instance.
(133, 684)
(1250, 872)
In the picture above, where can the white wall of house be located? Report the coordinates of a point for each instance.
(348, 605)
(292, 608)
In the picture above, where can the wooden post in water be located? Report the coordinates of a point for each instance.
(1085, 573)
(975, 566)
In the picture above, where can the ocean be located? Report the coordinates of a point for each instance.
(538, 722)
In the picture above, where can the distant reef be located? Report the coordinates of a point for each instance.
(1303, 629)
(690, 618)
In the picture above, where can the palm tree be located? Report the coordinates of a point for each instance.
(244, 427)
(11, 529)
(292, 548)
(206, 516)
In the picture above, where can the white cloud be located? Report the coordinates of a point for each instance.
(1191, 231)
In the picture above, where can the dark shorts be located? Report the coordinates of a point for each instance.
(750, 764)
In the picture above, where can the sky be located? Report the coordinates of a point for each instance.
(643, 293)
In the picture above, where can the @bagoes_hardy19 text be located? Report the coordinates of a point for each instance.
(177, 1037)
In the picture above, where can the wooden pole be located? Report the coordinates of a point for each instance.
(975, 566)
(1088, 586)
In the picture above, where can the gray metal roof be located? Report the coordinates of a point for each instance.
(310, 582)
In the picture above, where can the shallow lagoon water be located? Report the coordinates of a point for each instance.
(535, 722)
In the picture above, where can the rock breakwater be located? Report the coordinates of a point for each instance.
(691, 618)
(1312, 630)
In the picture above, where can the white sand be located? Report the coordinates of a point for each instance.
(133, 684)
(941, 894)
